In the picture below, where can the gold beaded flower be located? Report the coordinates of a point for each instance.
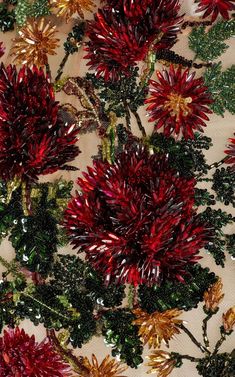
(229, 319)
(66, 8)
(213, 296)
(161, 362)
(36, 40)
(108, 368)
(157, 327)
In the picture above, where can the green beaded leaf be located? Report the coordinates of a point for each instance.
(26, 9)
(177, 295)
(121, 96)
(224, 185)
(217, 365)
(186, 156)
(221, 86)
(217, 219)
(230, 244)
(74, 277)
(122, 336)
(210, 45)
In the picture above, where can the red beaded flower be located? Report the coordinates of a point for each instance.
(22, 356)
(34, 139)
(136, 220)
(231, 152)
(178, 102)
(117, 42)
(132, 9)
(215, 7)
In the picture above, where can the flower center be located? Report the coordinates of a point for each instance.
(177, 105)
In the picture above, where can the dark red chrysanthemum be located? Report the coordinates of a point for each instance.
(215, 7)
(2, 49)
(231, 152)
(136, 220)
(22, 356)
(34, 139)
(178, 102)
(132, 9)
(118, 42)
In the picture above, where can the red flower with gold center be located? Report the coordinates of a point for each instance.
(178, 102)
(215, 7)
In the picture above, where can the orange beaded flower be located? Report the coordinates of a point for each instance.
(229, 319)
(36, 40)
(213, 296)
(157, 327)
(108, 368)
(66, 8)
(162, 363)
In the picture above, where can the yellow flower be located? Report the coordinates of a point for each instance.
(36, 40)
(229, 319)
(66, 8)
(213, 296)
(161, 363)
(157, 327)
(108, 368)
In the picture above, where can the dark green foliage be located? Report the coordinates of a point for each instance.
(203, 197)
(9, 213)
(185, 156)
(224, 185)
(74, 39)
(230, 244)
(217, 219)
(210, 45)
(42, 305)
(121, 96)
(75, 277)
(177, 295)
(122, 335)
(34, 239)
(7, 306)
(221, 86)
(7, 17)
(216, 365)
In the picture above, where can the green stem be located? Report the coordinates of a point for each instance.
(45, 306)
(193, 339)
(11, 268)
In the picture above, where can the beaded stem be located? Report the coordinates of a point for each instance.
(193, 339)
(171, 57)
(61, 67)
(76, 363)
(204, 329)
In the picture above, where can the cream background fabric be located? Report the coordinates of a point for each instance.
(220, 129)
